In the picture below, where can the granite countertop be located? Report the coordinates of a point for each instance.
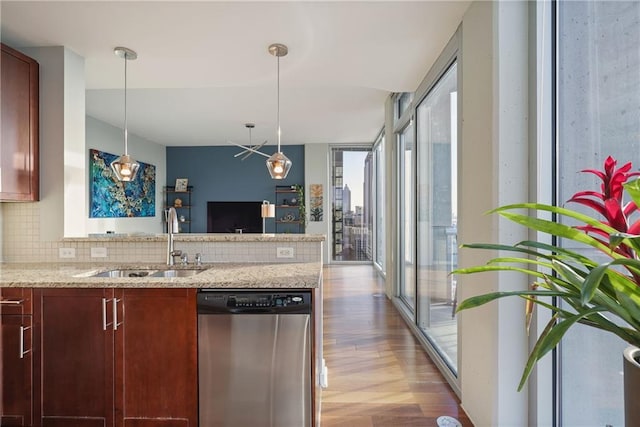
(216, 275)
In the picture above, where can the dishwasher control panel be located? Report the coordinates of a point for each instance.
(216, 300)
(264, 301)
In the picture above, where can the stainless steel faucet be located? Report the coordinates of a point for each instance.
(172, 228)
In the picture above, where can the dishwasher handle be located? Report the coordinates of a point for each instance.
(205, 310)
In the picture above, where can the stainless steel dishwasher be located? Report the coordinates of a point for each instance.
(254, 358)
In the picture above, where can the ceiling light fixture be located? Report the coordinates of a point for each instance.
(250, 149)
(278, 164)
(124, 166)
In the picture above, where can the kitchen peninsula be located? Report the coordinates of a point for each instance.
(83, 350)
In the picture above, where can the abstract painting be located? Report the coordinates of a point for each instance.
(315, 202)
(111, 198)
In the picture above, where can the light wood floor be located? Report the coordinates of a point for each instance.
(379, 375)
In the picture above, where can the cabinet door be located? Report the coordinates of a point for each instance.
(16, 370)
(156, 358)
(19, 126)
(76, 357)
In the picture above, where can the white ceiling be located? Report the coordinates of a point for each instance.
(203, 69)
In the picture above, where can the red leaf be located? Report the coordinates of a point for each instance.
(597, 206)
(615, 216)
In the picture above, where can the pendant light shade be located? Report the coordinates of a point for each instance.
(278, 164)
(124, 167)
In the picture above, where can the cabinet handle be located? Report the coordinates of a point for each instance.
(115, 314)
(21, 350)
(11, 302)
(104, 314)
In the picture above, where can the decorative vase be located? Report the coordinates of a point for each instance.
(631, 386)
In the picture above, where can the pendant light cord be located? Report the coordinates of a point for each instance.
(126, 151)
(278, 109)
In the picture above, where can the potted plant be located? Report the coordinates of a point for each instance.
(595, 292)
(302, 212)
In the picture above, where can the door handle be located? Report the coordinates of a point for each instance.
(21, 350)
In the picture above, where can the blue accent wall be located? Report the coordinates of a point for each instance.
(217, 176)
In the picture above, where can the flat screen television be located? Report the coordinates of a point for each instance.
(229, 217)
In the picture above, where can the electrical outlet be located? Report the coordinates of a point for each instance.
(284, 253)
(98, 252)
(67, 252)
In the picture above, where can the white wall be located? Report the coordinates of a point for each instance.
(52, 139)
(317, 171)
(75, 170)
(494, 171)
(104, 137)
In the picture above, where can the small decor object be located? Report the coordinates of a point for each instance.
(177, 203)
(182, 218)
(181, 185)
(601, 291)
(293, 201)
(267, 210)
(315, 202)
(111, 198)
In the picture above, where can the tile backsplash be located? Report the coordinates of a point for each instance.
(22, 243)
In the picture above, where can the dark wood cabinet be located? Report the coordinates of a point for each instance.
(124, 357)
(77, 377)
(16, 358)
(19, 124)
(156, 358)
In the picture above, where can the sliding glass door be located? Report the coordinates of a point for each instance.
(379, 202)
(437, 126)
(406, 216)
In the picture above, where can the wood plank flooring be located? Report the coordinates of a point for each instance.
(379, 375)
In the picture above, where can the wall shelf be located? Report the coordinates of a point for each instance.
(170, 195)
(286, 208)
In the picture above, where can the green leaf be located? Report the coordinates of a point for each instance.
(487, 268)
(556, 229)
(569, 274)
(479, 300)
(531, 361)
(549, 339)
(633, 189)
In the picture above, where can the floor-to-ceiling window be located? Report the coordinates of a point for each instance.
(437, 130)
(598, 114)
(379, 202)
(352, 203)
(406, 216)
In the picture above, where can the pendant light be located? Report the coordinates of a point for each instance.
(278, 164)
(124, 167)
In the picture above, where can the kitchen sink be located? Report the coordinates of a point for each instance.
(126, 273)
(185, 272)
